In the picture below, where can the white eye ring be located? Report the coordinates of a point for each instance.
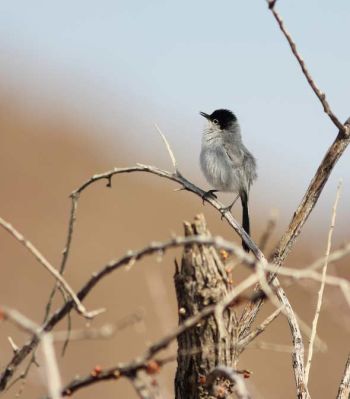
(215, 121)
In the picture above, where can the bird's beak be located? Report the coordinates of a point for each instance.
(205, 115)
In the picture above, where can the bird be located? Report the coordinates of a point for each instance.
(225, 161)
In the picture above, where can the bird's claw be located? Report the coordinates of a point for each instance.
(210, 193)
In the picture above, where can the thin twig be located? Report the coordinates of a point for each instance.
(321, 96)
(333, 257)
(13, 345)
(271, 346)
(296, 274)
(51, 269)
(323, 283)
(72, 220)
(65, 252)
(19, 320)
(258, 330)
(167, 145)
(106, 331)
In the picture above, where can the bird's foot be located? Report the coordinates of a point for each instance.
(210, 193)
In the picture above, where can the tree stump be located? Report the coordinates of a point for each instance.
(200, 281)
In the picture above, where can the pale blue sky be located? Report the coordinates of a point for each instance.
(139, 62)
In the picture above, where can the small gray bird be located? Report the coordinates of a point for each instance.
(226, 162)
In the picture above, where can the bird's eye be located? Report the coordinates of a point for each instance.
(215, 121)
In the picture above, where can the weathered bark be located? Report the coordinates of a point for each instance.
(202, 280)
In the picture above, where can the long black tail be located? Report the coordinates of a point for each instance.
(245, 217)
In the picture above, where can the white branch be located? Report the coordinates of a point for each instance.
(171, 154)
(54, 382)
(323, 283)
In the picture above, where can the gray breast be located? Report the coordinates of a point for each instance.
(218, 168)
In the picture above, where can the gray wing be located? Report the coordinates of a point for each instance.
(249, 164)
(243, 164)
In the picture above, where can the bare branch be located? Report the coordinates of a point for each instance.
(258, 330)
(51, 368)
(307, 273)
(323, 283)
(19, 320)
(187, 185)
(13, 345)
(321, 96)
(270, 346)
(314, 190)
(51, 269)
(65, 252)
(311, 197)
(298, 346)
(106, 331)
(167, 145)
(332, 257)
(302, 213)
(344, 387)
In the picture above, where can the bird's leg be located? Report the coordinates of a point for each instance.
(209, 193)
(228, 208)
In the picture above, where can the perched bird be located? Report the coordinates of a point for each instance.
(225, 161)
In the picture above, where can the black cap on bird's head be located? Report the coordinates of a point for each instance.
(221, 117)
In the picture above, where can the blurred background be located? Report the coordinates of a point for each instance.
(82, 84)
